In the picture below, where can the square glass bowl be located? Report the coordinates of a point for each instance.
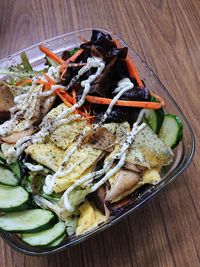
(183, 153)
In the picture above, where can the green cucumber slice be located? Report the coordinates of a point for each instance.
(171, 131)
(27, 221)
(57, 241)
(154, 118)
(12, 198)
(7, 177)
(2, 158)
(45, 237)
(15, 168)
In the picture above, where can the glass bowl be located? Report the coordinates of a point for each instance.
(183, 153)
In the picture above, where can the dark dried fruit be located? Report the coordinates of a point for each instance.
(117, 114)
(137, 94)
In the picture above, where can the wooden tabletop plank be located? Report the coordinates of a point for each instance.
(165, 232)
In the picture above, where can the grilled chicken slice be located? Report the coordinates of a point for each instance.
(100, 138)
(6, 102)
(14, 137)
(124, 181)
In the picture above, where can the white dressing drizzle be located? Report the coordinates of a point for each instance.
(24, 101)
(24, 142)
(107, 165)
(124, 85)
(48, 126)
(92, 62)
(33, 168)
(24, 104)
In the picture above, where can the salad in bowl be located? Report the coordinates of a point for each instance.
(80, 140)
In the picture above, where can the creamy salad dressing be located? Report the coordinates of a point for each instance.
(22, 109)
(123, 86)
(34, 168)
(48, 126)
(107, 165)
(92, 62)
(23, 103)
(24, 142)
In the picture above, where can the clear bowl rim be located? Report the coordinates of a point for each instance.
(7, 236)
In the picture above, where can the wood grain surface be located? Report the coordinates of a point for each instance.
(166, 33)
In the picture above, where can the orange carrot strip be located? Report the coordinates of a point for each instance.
(133, 71)
(130, 65)
(65, 95)
(162, 101)
(23, 82)
(40, 82)
(124, 103)
(75, 56)
(64, 99)
(50, 54)
(74, 95)
(49, 80)
(63, 68)
(47, 86)
(67, 103)
(116, 41)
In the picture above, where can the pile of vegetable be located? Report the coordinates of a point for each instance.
(80, 141)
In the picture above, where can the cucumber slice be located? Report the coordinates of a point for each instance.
(2, 158)
(7, 177)
(12, 198)
(27, 221)
(171, 131)
(57, 241)
(15, 168)
(2, 155)
(154, 118)
(45, 237)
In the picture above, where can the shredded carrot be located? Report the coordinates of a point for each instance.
(50, 54)
(49, 80)
(64, 67)
(133, 72)
(40, 82)
(85, 110)
(75, 56)
(23, 82)
(116, 41)
(124, 103)
(74, 95)
(67, 99)
(162, 101)
(65, 95)
(64, 99)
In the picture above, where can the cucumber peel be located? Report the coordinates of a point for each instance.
(171, 131)
(13, 198)
(28, 221)
(44, 238)
(57, 241)
(154, 118)
(7, 177)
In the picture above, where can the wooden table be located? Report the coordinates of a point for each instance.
(166, 33)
